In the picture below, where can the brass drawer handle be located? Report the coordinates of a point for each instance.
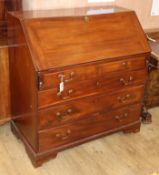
(64, 136)
(127, 82)
(62, 82)
(60, 115)
(121, 118)
(72, 74)
(71, 77)
(70, 92)
(59, 94)
(61, 85)
(124, 99)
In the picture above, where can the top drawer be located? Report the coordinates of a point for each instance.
(85, 72)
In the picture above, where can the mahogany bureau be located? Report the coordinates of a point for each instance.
(76, 75)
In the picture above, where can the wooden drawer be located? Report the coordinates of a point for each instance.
(108, 83)
(82, 108)
(97, 123)
(92, 71)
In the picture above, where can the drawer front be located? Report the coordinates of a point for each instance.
(87, 72)
(83, 108)
(108, 83)
(97, 123)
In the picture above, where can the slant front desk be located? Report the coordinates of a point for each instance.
(76, 75)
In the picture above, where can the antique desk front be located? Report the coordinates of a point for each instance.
(76, 75)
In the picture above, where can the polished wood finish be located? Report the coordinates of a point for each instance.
(73, 111)
(77, 89)
(94, 40)
(2, 13)
(74, 85)
(92, 71)
(13, 5)
(5, 6)
(23, 107)
(1, 10)
(96, 123)
(2, 23)
(4, 86)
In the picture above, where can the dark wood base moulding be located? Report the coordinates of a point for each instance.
(38, 159)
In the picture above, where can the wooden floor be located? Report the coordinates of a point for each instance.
(118, 154)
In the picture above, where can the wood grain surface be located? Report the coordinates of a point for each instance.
(75, 110)
(2, 10)
(5, 5)
(94, 41)
(4, 86)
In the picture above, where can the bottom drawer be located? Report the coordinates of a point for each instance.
(96, 123)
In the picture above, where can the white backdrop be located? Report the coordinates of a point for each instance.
(155, 8)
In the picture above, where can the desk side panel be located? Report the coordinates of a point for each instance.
(23, 84)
